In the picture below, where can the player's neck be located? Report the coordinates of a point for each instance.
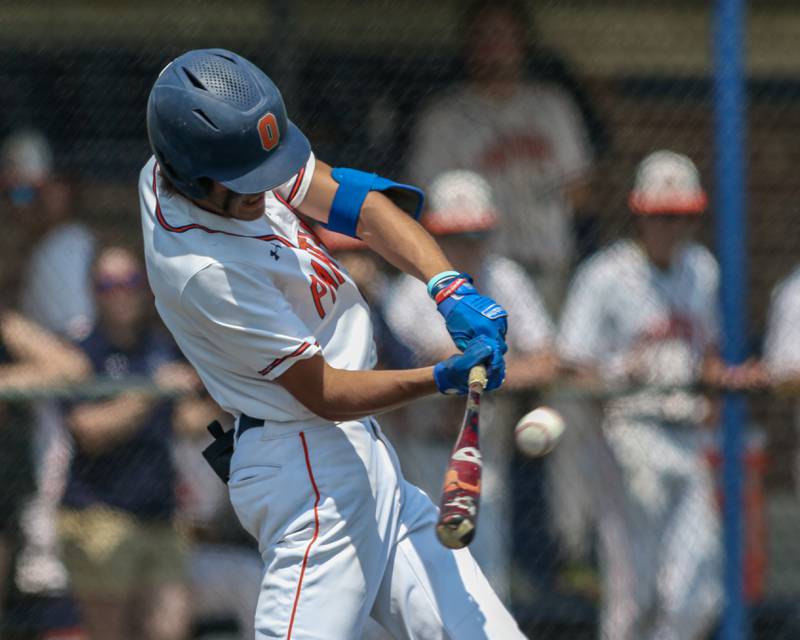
(661, 260)
(497, 88)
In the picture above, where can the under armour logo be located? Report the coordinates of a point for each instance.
(274, 251)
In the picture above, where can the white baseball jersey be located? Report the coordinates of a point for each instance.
(409, 308)
(621, 306)
(528, 146)
(782, 346)
(246, 299)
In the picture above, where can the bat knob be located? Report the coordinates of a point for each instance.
(455, 533)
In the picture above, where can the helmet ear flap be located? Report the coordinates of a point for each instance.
(198, 189)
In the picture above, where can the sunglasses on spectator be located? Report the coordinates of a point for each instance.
(128, 283)
(22, 195)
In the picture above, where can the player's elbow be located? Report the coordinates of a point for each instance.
(332, 411)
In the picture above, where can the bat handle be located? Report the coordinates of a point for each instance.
(477, 377)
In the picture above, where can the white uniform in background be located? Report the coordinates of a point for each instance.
(528, 146)
(342, 535)
(56, 292)
(660, 553)
(782, 348)
(423, 450)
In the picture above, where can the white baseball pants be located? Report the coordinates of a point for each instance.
(344, 537)
(659, 535)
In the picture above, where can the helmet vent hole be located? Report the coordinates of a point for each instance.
(225, 79)
(194, 80)
(224, 57)
(202, 116)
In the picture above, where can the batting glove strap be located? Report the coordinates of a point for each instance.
(468, 314)
(452, 375)
(435, 281)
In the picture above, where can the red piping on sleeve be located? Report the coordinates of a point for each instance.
(300, 350)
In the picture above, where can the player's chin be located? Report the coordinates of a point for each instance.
(250, 211)
(248, 207)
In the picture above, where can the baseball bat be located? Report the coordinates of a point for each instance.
(461, 491)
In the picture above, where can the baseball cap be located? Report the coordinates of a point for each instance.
(26, 157)
(460, 203)
(667, 183)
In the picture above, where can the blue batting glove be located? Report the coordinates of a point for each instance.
(452, 375)
(468, 314)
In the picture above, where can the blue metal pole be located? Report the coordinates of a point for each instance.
(730, 104)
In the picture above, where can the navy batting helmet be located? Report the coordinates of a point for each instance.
(214, 115)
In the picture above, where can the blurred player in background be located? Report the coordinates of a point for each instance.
(463, 217)
(126, 563)
(644, 313)
(782, 346)
(282, 340)
(526, 138)
(30, 357)
(50, 253)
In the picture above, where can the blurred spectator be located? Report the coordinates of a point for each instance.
(30, 357)
(526, 138)
(641, 320)
(55, 287)
(47, 256)
(463, 216)
(126, 562)
(224, 563)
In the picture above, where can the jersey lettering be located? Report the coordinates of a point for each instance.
(323, 282)
(318, 290)
(319, 255)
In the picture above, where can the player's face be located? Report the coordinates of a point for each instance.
(662, 235)
(496, 46)
(230, 204)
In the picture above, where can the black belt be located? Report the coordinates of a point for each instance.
(245, 423)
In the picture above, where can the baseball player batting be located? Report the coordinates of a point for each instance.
(282, 340)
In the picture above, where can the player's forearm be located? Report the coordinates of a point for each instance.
(399, 239)
(338, 394)
(355, 394)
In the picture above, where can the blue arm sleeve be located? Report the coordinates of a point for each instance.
(354, 185)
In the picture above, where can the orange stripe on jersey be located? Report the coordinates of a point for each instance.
(300, 350)
(313, 537)
(188, 227)
(296, 186)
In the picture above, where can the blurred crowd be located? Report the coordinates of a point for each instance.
(112, 527)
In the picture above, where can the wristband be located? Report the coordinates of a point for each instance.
(438, 278)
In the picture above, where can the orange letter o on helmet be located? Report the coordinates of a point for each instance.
(268, 131)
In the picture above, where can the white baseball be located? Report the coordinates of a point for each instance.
(539, 431)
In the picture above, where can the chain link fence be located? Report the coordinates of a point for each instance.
(550, 106)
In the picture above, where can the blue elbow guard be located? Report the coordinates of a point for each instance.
(354, 185)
